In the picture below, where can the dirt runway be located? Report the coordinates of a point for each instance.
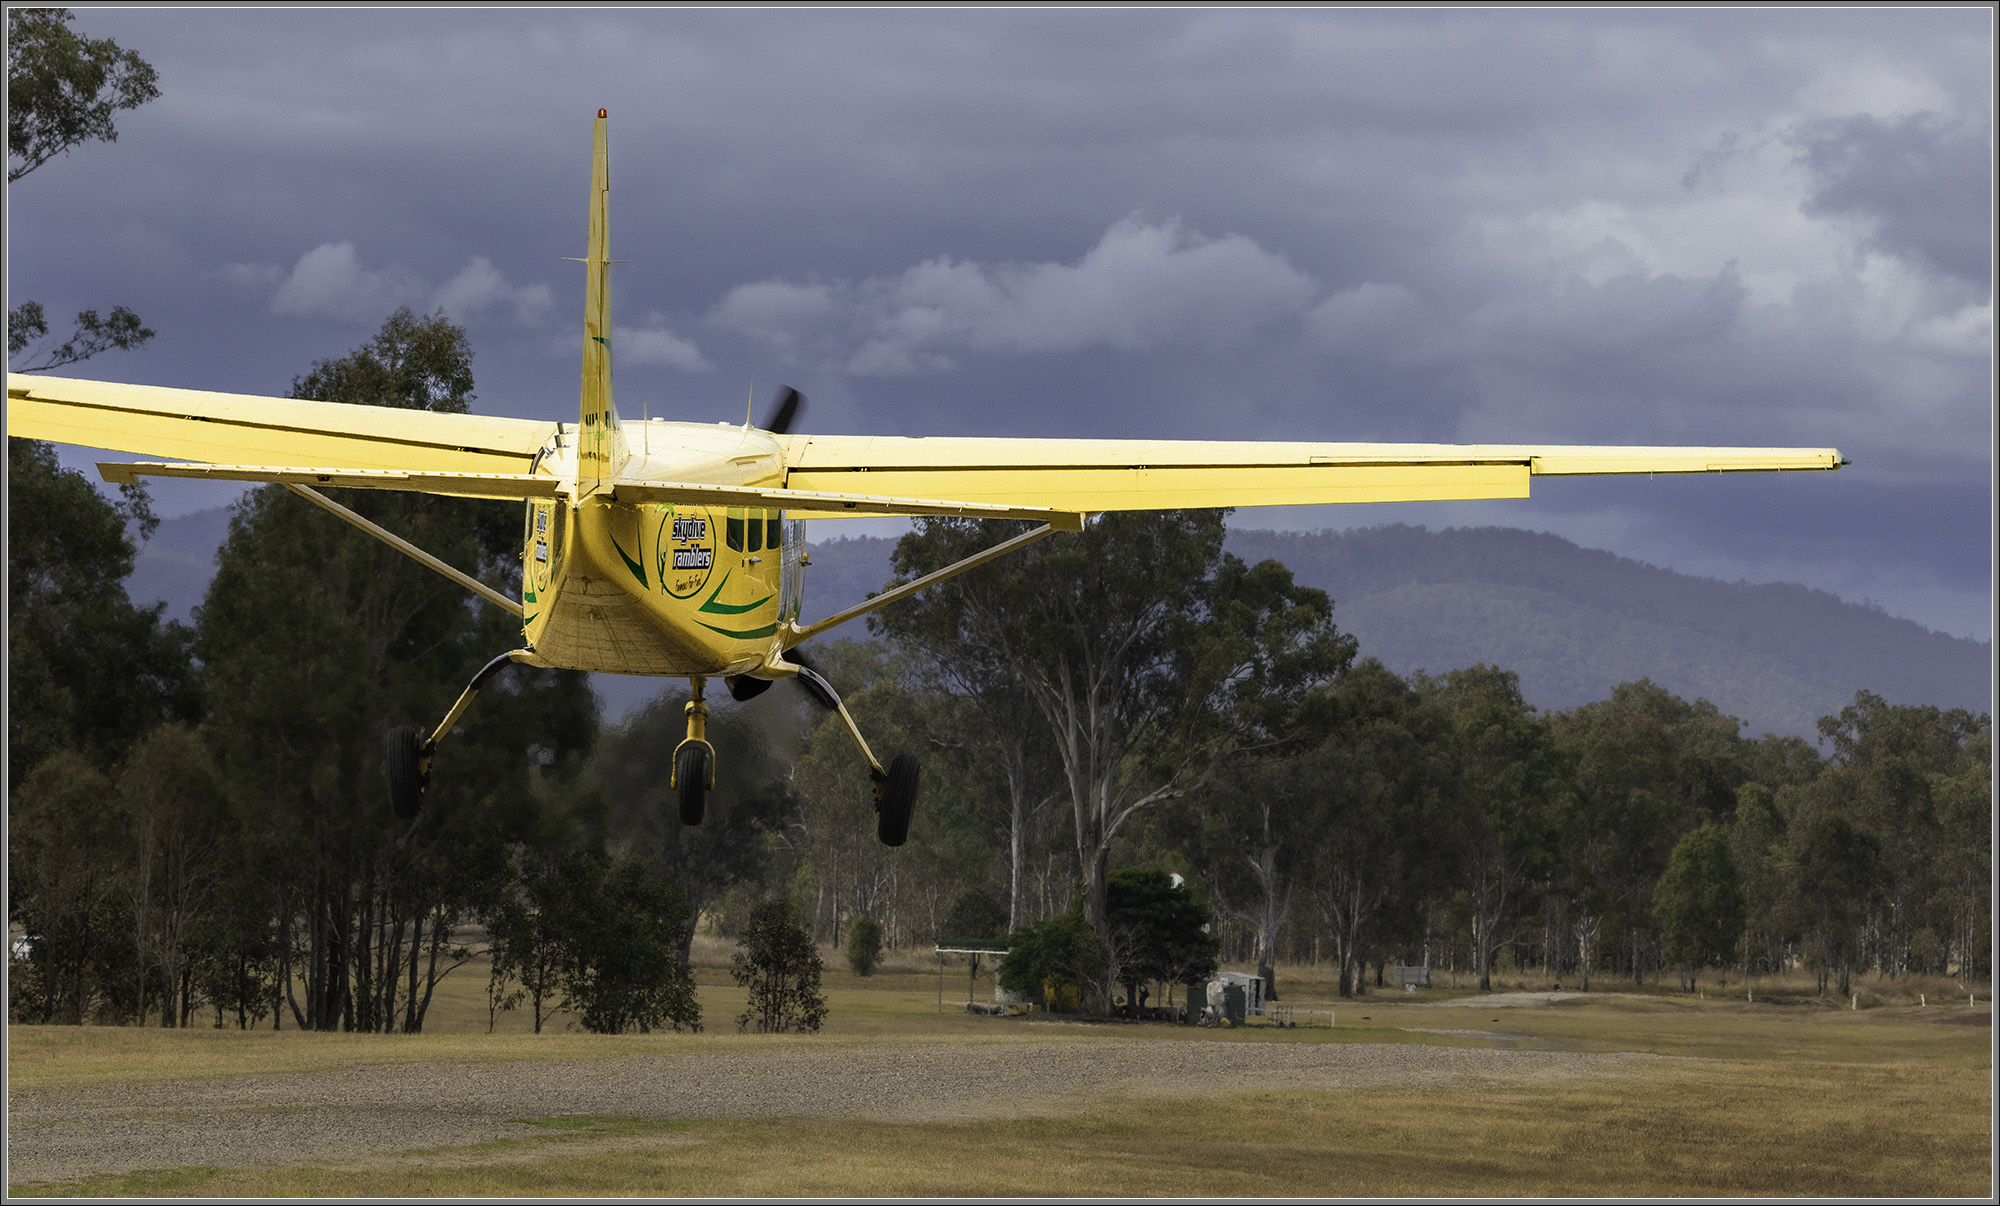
(364, 1111)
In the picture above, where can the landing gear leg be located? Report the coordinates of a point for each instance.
(407, 753)
(693, 776)
(895, 788)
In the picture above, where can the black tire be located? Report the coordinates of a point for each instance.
(402, 754)
(899, 801)
(743, 688)
(691, 780)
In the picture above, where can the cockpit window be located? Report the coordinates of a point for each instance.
(756, 534)
(732, 530)
(774, 524)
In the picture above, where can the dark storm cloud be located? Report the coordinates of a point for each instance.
(1644, 227)
(1923, 179)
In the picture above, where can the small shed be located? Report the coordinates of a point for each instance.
(975, 950)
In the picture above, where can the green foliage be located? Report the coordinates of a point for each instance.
(977, 913)
(1834, 873)
(1143, 648)
(315, 638)
(65, 840)
(736, 842)
(412, 363)
(621, 942)
(1061, 953)
(1698, 901)
(64, 89)
(28, 324)
(864, 945)
(85, 668)
(1157, 930)
(777, 961)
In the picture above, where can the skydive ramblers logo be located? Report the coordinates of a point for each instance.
(686, 550)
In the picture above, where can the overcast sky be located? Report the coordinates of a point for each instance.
(1697, 227)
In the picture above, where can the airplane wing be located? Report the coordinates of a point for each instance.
(243, 430)
(524, 485)
(1129, 475)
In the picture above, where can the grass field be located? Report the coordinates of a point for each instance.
(1762, 1098)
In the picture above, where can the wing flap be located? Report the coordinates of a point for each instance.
(244, 429)
(1116, 475)
(464, 485)
(820, 504)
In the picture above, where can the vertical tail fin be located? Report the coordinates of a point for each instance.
(600, 445)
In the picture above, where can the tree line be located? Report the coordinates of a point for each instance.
(199, 830)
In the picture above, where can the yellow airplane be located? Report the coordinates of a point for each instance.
(687, 562)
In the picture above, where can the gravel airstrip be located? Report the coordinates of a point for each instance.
(375, 1111)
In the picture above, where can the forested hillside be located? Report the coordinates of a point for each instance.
(1576, 622)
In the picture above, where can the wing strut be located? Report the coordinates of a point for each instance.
(405, 547)
(928, 580)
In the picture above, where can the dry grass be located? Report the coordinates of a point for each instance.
(1764, 1098)
(1712, 1128)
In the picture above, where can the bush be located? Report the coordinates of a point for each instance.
(777, 961)
(977, 913)
(1061, 953)
(623, 924)
(864, 945)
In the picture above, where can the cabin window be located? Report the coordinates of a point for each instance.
(732, 530)
(774, 529)
(756, 533)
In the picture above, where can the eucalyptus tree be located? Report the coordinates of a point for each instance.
(1648, 767)
(1149, 654)
(1378, 773)
(85, 668)
(1001, 725)
(1500, 793)
(1698, 902)
(315, 638)
(64, 90)
(1914, 779)
(632, 767)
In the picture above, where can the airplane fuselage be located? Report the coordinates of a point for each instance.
(662, 588)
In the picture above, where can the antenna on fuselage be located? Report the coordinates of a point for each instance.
(749, 403)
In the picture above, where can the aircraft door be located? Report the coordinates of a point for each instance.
(791, 568)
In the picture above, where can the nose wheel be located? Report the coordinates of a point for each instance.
(694, 761)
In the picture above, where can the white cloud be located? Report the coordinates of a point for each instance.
(1368, 317)
(1144, 285)
(330, 282)
(656, 343)
(479, 290)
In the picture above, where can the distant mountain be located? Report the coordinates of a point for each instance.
(1575, 622)
(176, 564)
(1572, 622)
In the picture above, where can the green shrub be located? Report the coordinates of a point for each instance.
(1060, 953)
(777, 961)
(864, 945)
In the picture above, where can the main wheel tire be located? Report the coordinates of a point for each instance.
(899, 801)
(691, 779)
(402, 754)
(743, 688)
